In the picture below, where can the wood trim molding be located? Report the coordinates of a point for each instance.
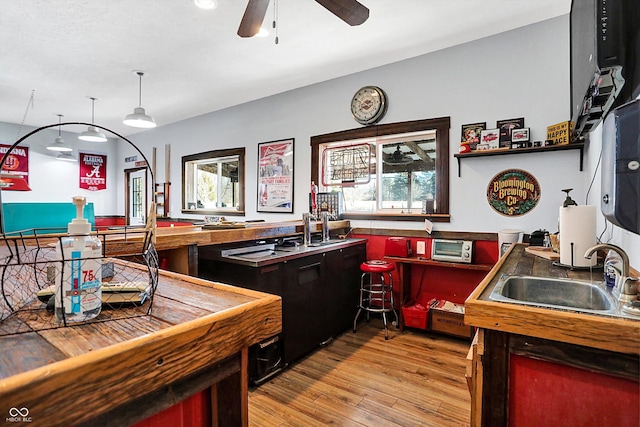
(442, 126)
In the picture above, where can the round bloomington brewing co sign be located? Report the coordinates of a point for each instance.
(513, 192)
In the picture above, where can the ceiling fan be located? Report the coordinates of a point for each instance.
(350, 11)
(398, 158)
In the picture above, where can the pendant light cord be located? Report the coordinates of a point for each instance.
(30, 103)
(140, 90)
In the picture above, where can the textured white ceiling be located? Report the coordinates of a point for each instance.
(67, 50)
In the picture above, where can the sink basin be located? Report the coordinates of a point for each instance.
(250, 253)
(315, 244)
(556, 293)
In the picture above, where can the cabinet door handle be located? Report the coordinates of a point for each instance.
(310, 266)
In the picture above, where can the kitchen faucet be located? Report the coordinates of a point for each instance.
(625, 285)
(306, 226)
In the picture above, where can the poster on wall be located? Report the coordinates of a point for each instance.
(275, 176)
(15, 170)
(93, 171)
(513, 192)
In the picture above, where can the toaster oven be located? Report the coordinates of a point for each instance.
(452, 250)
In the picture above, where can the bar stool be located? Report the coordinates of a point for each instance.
(376, 292)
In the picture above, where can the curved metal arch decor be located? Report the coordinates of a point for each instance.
(29, 269)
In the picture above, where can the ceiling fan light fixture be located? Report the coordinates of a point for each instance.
(398, 158)
(59, 144)
(92, 134)
(139, 118)
(206, 4)
(263, 32)
(66, 157)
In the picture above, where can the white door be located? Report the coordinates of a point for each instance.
(137, 203)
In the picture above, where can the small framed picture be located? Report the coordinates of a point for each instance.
(489, 139)
(520, 135)
(470, 136)
(506, 127)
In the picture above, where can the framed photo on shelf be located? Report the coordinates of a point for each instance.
(470, 136)
(275, 176)
(520, 135)
(489, 139)
(506, 126)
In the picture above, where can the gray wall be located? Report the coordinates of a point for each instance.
(521, 73)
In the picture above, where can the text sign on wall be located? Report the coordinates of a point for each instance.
(346, 165)
(513, 192)
(17, 163)
(93, 171)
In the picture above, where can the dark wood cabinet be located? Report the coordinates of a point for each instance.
(343, 284)
(304, 302)
(319, 292)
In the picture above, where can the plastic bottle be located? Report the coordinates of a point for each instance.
(612, 263)
(78, 294)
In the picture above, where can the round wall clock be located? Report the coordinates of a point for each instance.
(368, 105)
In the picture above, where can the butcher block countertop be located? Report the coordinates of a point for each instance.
(110, 372)
(175, 237)
(604, 332)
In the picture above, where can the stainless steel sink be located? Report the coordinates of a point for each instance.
(555, 293)
(250, 253)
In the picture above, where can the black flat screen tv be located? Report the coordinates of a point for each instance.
(604, 40)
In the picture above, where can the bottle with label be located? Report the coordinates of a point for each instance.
(78, 295)
(612, 265)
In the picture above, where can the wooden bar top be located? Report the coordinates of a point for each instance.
(604, 332)
(182, 236)
(75, 375)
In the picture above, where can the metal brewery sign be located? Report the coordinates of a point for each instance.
(513, 192)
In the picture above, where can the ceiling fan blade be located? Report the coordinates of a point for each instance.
(350, 11)
(252, 18)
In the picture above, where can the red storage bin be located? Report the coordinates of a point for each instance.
(415, 316)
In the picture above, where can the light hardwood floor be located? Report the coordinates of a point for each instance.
(413, 379)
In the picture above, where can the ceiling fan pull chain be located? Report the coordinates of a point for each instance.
(275, 19)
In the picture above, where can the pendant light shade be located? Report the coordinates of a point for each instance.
(66, 156)
(92, 134)
(139, 118)
(59, 144)
(206, 4)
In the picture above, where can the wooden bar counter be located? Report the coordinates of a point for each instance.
(122, 371)
(533, 365)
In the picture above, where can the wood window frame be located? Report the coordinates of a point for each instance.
(441, 125)
(214, 154)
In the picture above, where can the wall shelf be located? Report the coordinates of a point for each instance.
(500, 152)
(162, 199)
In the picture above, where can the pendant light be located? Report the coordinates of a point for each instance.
(139, 118)
(59, 144)
(92, 134)
(66, 156)
(206, 4)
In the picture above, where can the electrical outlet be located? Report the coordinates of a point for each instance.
(420, 248)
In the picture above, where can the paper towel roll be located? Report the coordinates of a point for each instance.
(577, 234)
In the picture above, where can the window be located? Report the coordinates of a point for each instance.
(213, 182)
(395, 171)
